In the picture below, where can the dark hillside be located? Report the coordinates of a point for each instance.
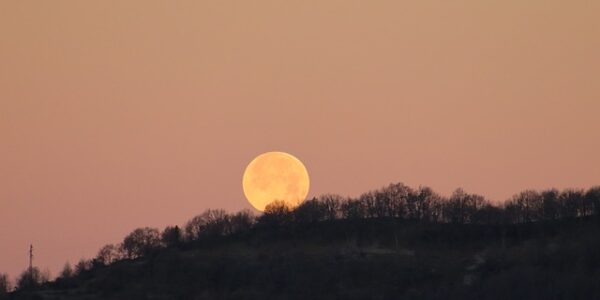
(366, 259)
(394, 243)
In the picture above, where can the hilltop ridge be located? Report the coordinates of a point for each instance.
(395, 242)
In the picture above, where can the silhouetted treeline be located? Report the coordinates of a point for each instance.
(396, 202)
(424, 205)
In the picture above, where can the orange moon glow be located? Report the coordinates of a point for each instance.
(275, 176)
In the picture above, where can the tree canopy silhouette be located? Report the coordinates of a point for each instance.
(371, 241)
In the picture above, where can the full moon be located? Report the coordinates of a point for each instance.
(275, 176)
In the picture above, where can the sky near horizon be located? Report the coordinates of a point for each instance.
(121, 114)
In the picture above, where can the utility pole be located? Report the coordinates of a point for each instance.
(31, 260)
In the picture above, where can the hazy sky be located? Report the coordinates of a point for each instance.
(120, 114)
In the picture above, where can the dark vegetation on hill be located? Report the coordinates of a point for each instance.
(392, 243)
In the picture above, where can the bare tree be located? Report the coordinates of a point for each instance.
(530, 204)
(397, 195)
(309, 211)
(277, 213)
(212, 222)
(67, 271)
(171, 236)
(83, 266)
(550, 205)
(455, 209)
(367, 200)
(141, 242)
(353, 209)
(241, 221)
(593, 197)
(419, 204)
(571, 203)
(217, 223)
(329, 206)
(108, 254)
(32, 278)
(461, 207)
(436, 208)
(5, 284)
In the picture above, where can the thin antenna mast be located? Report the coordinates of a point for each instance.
(30, 259)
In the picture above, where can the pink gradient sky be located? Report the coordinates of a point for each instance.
(120, 114)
